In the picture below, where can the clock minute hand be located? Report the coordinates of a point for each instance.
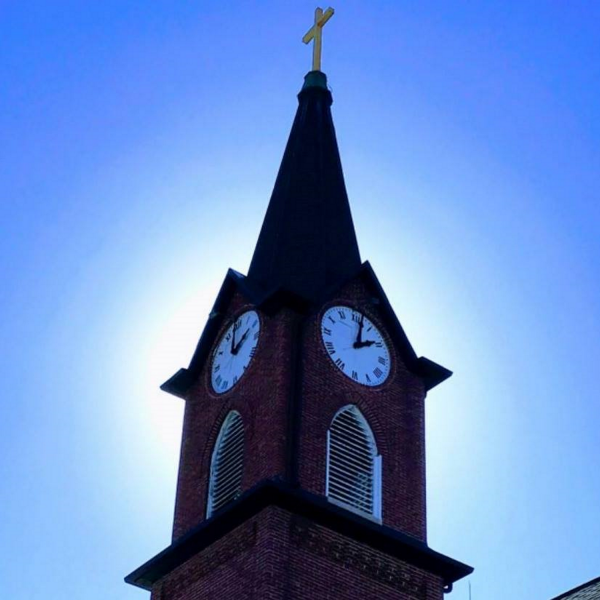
(233, 348)
(242, 340)
(358, 343)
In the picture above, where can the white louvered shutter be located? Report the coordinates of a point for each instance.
(227, 464)
(353, 465)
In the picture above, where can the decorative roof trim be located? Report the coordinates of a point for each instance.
(271, 301)
(305, 504)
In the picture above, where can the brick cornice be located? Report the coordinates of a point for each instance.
(309, 506)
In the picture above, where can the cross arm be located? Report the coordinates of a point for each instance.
(320, 20)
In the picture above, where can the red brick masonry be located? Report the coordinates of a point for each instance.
(394, 410)
(277, 555)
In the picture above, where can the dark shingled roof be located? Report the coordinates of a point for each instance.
(307, 242)
(587, 591)
(307, 245)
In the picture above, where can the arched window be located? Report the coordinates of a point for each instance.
(353, 464)
(227, 464)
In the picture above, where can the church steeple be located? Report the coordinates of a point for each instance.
(307, 243)
(302, 466)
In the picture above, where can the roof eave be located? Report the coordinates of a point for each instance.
(179, 385)
(304, 504)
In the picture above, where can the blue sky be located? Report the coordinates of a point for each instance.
(140, 143)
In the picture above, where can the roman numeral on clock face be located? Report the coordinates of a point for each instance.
(356, 346)
(234, 351)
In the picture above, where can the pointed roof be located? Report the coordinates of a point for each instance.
(307, 243)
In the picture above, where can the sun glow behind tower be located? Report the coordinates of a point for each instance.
(475, 133)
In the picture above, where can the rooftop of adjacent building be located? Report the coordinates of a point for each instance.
(586, 591)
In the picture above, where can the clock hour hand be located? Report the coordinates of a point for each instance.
(364, 344)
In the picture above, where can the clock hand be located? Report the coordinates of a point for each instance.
(242, 340)
(359, 343)
(364, 344)
(360, 329)
(233, 348)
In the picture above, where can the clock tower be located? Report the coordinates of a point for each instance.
(302, 468)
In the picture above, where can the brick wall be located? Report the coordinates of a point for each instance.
(261, 398)
(277, 555)
(395, 412)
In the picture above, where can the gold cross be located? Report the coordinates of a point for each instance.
(315, 33)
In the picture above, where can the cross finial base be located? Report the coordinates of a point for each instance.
(315, 79)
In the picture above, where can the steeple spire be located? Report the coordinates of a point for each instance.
(307, 243)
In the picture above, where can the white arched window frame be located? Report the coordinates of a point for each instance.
(227, 464)
(353, 472)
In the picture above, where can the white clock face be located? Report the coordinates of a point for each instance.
(355, 345)
(234, 351)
